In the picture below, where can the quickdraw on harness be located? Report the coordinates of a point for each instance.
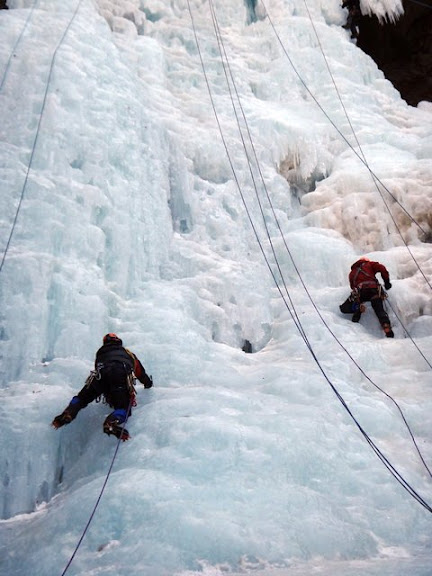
(131, 388)
(94, 375)
(355, 298)
(130, 383)
(356, 306)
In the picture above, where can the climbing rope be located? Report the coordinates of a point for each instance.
(13, 228)
(220, 41)
(407, 332)
(333, 123)
(99, 498)
(374, 176)
(29, 17)
(374, 179)
(14, 223)
(293, 313)
(227, 66)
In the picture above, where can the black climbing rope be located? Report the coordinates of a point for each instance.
(99, 498)
(14, 223)
(293, 313)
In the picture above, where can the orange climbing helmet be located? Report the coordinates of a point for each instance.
(112, 338)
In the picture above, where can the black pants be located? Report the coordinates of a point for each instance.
(112, 385)
(371, 295)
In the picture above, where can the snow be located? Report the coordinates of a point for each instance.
(128, 204)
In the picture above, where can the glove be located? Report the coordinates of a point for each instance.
(149, 382)
(64, 418)
(387, 285)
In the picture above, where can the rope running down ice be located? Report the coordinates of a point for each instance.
(293, 314)
(220, 41)
(37, 133)
(17, 43)
(372, 175)
(362, 159)
(221, 44)
(100, 494)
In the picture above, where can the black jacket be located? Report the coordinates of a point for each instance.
(113, 353)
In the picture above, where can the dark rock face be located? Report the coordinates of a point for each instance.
(403, 50)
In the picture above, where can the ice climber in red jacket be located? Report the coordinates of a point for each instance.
(366, 288)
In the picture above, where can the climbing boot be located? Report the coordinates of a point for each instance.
(116, 427)
(388, 331)
(356, 316)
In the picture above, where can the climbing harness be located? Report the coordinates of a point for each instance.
(94, 375)
(356, 305)
(97, 375)
(130, 382)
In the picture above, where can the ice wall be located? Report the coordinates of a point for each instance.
(132, 220)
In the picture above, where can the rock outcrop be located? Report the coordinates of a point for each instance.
(403, 50)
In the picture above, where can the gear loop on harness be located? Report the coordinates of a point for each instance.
(354, 296)
(94, 375)
(130, 382)
(131, 378)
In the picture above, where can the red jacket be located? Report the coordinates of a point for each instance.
(363, 272)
